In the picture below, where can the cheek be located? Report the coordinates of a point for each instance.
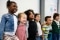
(38, 18)
(21, 20)
(57, 17)
(49, 21)
(9, 9)
(24, 20)
(35, 18)
(31, 16)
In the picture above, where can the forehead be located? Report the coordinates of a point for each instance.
(13, 4)
(31, 13)
(23, 15)
(49, 19)
(38, 15)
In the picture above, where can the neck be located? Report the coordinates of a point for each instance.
(31, 19)
(37, 21)
(11, 12)
(56, 20)
(21, 23)
(47, 24)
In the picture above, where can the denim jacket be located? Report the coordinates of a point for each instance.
(6, 25)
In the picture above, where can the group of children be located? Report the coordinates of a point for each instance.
(27, 25)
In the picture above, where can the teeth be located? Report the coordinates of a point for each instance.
(14, 10)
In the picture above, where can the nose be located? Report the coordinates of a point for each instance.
(16, 7)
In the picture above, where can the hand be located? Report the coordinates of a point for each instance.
(37, 34)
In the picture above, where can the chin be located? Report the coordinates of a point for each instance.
(14, 11)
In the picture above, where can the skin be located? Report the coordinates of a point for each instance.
(37, 18)
(31, 16)
(12, 8)
(57, 18)
(49, 21)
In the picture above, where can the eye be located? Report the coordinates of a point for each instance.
(14, 6)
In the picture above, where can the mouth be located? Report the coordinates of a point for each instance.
(15, 10)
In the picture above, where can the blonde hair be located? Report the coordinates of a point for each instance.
(19, 15)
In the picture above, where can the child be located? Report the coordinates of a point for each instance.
(39, 33)
(46, 27)
(55, 27)
(9, 23)
(32, 30)
(21, 30)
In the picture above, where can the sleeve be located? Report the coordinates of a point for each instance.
(2, 25)
(35, 25)
(43, 28)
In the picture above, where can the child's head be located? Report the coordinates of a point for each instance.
(30, 14)
(56, 16)
(12, 6)
(37, 17)
(48, 20)
(22, 18)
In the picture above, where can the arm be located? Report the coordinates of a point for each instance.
(35, 26)
(42, 36)
(2, 24)
(42, 33)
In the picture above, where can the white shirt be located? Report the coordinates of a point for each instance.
(15, 27)
(57, 22)
(27, 26)
(39, 29)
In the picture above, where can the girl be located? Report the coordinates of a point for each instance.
(32, 29)
(21, 30)
(39, 33)
(9, 23)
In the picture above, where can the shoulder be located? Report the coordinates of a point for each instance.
(15, 15)
(53, 22)
(44, 25)
(5, 15)
(32, 22)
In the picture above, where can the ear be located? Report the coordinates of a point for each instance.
(8, 8)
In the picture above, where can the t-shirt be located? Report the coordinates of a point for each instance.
(39, 29)
(46, 29)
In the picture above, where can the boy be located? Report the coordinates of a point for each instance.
(55, 27)
(46, 27)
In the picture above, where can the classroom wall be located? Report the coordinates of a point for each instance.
(50, 7)
(22, 6)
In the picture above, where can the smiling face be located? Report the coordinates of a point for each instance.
(49, 21)
(12, 8)
(22, 18)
